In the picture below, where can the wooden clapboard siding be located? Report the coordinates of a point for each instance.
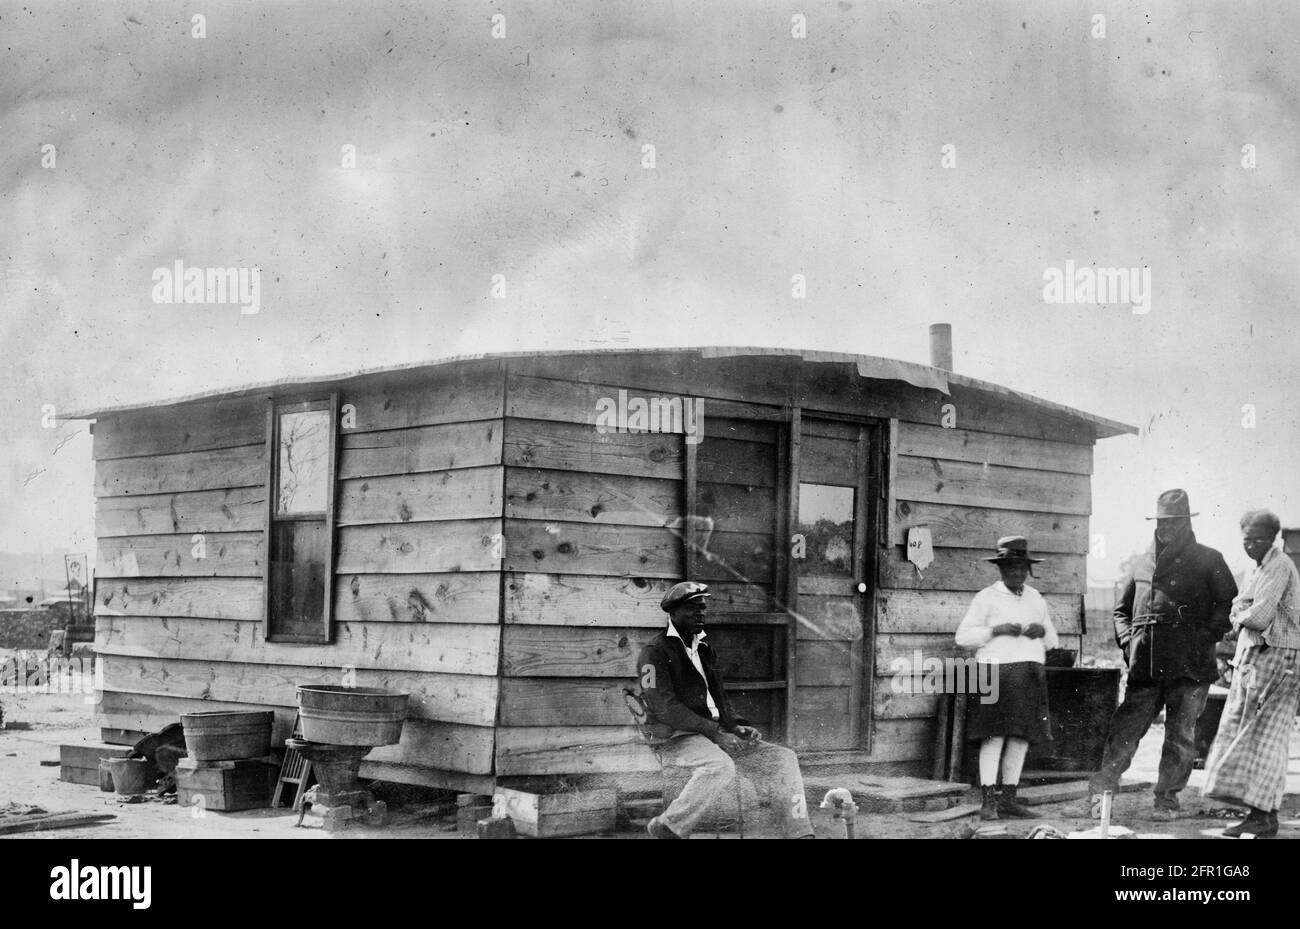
(902, 740)
(625, 602)
(232, 509)
(189, 427)
(975, 527)
(451, 746)
(571, 496)
(150, 712)
(419, 548)
(551, 701)
(541, 750)
(468, 493)
(822, 717)
(419, 449)
(933, 611)
(464, 597)
(448, 396)
(575, 447)
(888, 704)
(223, 598)
(451, 648)
(923, 441)
(965, 569)
(964, 483)
(560, 651)
(243, 466)
(457, 698)
(577, 548)
(224, 554)
(892, 651)
(575, 401)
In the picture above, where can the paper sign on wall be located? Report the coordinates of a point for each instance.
(920, 549)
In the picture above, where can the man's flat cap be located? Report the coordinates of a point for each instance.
(680, 593)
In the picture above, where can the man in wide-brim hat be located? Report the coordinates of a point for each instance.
(1009, 626)
(1172, 613)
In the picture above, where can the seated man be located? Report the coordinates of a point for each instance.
(695, 728)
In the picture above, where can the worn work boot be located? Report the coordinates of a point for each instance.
(1164, 810)
(1088, 807)
(989, 809)
(1259, 823)
(1011, 808)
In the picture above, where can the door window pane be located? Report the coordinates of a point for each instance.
(303, 463)
(826, 523)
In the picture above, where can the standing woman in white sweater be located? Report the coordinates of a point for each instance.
(1009, 627)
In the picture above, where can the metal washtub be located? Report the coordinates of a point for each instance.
(336, 715)
(227, 736)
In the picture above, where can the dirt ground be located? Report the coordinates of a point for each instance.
(37, 723)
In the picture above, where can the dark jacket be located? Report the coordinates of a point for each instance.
(674, 691)
(1173, 611)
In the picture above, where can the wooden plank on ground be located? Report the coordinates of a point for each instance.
(1041, 794)
(420, 449)
(943, 816)
(467, 493)
(572, 447)
(208, 554)
(933, 611)
(244, 466)
(577, 548)
(451, 648)
(934, 441)
(966, 569)
(420, 548)
(457, 698)
(46, 822)
(964, 483)
(464, 597)
(186, 427)
(221, 598)
(231, 509)
(981, 527)
(882, 794)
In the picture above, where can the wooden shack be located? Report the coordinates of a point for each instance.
(493, 535)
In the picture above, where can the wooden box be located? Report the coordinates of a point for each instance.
(543, 816)
(225, 786)
(79, 762)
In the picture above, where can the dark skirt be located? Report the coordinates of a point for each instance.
(1021, 708)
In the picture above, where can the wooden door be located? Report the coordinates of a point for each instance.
(832, 506)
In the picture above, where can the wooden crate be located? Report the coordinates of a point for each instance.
(79, 762)
(578, 812)
(225, 786)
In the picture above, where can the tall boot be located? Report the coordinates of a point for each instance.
(989, 809)
(1011, 808)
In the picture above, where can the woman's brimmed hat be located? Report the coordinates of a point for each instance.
(1013, 549)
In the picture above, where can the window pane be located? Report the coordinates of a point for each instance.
(303, 465)
(298, 577)
(826, 523)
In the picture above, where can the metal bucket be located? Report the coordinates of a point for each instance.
(351, 715)
(130, 775)
(227, 736)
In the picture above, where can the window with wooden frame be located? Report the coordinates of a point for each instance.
(301, 438)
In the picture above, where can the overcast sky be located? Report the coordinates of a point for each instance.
(523, 156)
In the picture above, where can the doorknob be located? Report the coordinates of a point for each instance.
(862, 587)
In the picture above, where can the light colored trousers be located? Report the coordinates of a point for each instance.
(772, 769)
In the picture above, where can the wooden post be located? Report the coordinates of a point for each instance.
(940, 766)
(955, 759)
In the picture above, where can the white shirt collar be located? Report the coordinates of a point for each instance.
(1003, 588)
(699, 636)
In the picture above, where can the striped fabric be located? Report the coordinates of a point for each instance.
(1247, 763)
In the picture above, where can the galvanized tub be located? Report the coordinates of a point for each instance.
(227, 736)
(338, 715)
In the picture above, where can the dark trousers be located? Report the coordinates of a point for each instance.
(1182, 700)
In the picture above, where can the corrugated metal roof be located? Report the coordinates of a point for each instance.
(868, 366)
